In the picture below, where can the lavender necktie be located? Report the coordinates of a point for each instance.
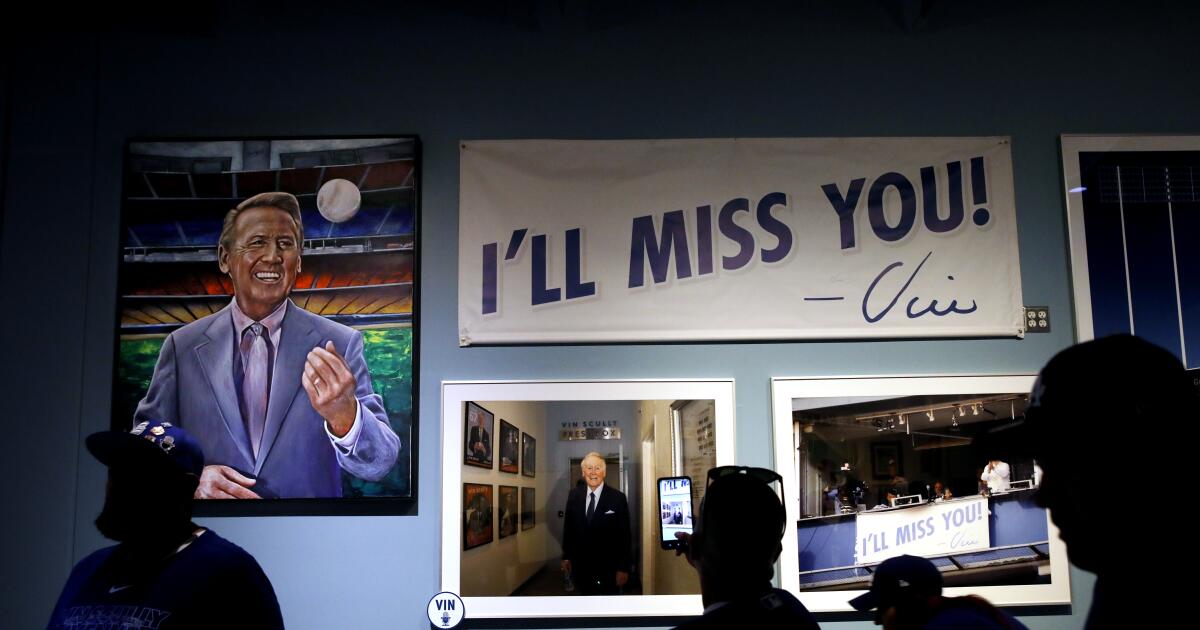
(256, 354)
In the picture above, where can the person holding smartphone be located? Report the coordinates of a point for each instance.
(596, 533)
(738, 538)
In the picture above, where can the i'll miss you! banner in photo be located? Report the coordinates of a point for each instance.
(655, 240)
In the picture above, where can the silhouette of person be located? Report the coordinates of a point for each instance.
(734, 548)
(1084, 402)
(906, 594)
(165, 572)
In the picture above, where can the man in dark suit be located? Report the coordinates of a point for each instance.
(596, 537)
(479, 441)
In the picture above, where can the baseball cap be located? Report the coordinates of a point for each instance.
(1120, 377)
(898, 578)
(1121, 365)
(152, 444)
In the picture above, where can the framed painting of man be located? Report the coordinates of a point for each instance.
(510, 447)
(267, 306)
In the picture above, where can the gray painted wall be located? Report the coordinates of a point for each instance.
(639, 70)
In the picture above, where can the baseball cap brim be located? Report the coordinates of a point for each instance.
(866, 601)
(115, 448)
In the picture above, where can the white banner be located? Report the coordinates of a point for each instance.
(653, 240)
(928, 530)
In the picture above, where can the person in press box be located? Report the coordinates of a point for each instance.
(279, 398)
(996, 476)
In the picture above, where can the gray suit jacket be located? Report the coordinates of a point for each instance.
(193, 387)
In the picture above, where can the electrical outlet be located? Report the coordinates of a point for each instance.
(1037, 319)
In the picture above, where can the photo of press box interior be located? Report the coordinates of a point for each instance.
(888, 466)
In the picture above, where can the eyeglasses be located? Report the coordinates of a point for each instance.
(764, 475)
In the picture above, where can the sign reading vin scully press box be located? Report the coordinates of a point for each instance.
(648, 240)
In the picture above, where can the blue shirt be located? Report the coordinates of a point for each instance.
(211, 583)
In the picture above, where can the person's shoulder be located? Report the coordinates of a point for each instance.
(226, 563)
(327, 326)
(220, 568)
(962, 618)
(787, 606)
(198, 328)
(93, 560)
(223, 552)
(972, 612)
(776, 609)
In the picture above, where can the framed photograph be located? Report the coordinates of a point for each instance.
(886, 462)
(478, 425)
(313, 242)
(477, 515)
(528, 455)
(642, 429)
(528, 508)
(1133, 232)
(508, 511)
(510, 447)
(928, 437)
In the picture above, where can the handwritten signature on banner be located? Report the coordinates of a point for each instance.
(931, 309)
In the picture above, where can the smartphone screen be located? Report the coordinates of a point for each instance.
(675, 499)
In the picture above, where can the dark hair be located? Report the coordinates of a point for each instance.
(742, 522)
(1090, 389)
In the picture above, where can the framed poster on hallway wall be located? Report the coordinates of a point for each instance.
(629, 424)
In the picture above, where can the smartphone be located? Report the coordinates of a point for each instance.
(675, 515)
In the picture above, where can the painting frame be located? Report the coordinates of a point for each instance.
(528, 455)
(484, 445)
(477, 522)
(528, 508)
(509, 438)
(883, 454)
(504, 530)
(191, 184)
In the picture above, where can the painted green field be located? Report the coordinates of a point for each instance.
(388, 352)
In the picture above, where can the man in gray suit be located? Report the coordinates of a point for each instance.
(279, 398)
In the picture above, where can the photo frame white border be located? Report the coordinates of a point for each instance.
(1072, 146)
(456, 393)
(783, 390)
